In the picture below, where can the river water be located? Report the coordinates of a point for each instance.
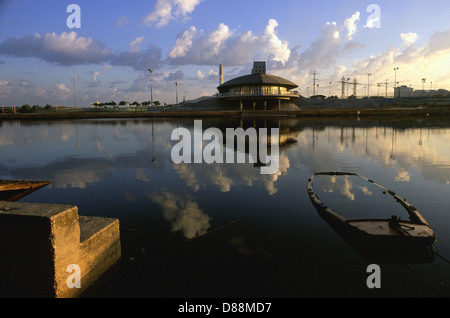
(227, 229)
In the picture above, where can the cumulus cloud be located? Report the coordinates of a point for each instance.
(225, 46)
(350, 25)
(200, 75)
(428, 57)
(69, 49)
(167, 10)
(95, 81)
(183, 43)
(139, 59)
(408, 38)
(439, 41)
(66, 49)
(63, 92)
(278, 48)
(323, 52)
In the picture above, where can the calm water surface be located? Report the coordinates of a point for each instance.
(226, 230)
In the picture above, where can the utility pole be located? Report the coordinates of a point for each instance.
(176, 84)
(348, 85)
(343, 87)
(387, 82)
(368, 84)
(395, 79)
(74, 98)
(314, 83)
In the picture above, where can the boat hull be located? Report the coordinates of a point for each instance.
(14, 190)
(381, 240)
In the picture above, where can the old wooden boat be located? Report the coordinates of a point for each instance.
(13, 190)
(385, 239)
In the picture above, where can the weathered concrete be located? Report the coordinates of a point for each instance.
(39, 243)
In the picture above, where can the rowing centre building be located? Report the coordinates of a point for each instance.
(257, 91)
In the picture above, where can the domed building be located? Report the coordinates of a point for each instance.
(257, 91)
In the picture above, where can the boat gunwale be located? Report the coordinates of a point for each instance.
(416, 218)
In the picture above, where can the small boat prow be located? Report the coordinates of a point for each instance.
(13, 190)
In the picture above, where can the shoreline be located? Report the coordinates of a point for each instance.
(325, 112)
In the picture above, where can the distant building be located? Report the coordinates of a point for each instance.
(432, 93)
(403, 92)
(423, 93)
(257, 90)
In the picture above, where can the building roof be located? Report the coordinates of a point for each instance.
(257, 80)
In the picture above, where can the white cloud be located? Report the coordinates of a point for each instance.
(62, 88)
(167, 10)
(414, 62)
(183, 43)
(227, 47)
(94, 81)
(200, 75)
(217, 39)
(63, 92)
(134, 46)
(350, 25)
(409, 38)
(279, 49)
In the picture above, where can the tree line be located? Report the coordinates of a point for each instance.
(124, 103)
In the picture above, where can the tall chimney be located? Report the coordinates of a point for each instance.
(220, 74)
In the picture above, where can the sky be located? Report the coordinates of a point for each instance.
(102, 49)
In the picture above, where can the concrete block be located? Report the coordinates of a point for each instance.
(45, 248)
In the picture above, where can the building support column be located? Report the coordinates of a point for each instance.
(240, 105)
(279, 104)
(254, 105)
(265, 105)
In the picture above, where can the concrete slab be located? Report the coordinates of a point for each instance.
(46, 248)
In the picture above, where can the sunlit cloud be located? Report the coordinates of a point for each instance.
(168, 10)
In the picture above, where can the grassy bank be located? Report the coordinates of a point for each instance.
(362, 112)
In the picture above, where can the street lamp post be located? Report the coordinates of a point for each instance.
(395, 80)
(151, 86)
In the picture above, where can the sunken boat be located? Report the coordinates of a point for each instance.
(14, 190)
(382, 240)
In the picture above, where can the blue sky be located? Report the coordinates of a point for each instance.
(186, 40)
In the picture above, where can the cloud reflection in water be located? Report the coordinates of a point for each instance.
(183, 213)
